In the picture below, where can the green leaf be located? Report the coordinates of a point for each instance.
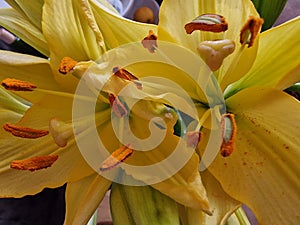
(269, 10)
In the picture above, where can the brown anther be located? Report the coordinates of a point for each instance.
(229, 129)
(24, 132)
(250, 30)
(34, 163)
(126, 75)
(207, 22)
(17, 85)
(66, 65)
(118, 156)
(117, 106)
(193, 138)
(150, 42)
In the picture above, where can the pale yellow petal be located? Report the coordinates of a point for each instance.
(83, 198)
(19, 25)
(33, 10)
(262, 172)
(116, 29)
(70, 165)
(277, 63)
(28, 68)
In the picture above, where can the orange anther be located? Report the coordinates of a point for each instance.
(207, 22)
(66, 65)
(150, 42)
(24, 132)
(34, 163)
(17, 85)
(118, 156)
(229, 129)
(250, 30)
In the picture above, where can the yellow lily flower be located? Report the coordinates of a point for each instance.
(262, 170)
(76, 29)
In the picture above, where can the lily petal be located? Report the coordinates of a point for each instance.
(222, 205)
(15, 148)
(33, 10)
(19, 25)
(28, 68)
(277, 58)
(184, 186)
(266, 155)
(118, 30)
(83, 197)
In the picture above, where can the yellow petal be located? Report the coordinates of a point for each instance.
(20, 25)
(28, 68)
(83, 197)
(32, 11)
(222, 205)
(182, 184)
(70, 165)
(262, 172)
(67, 29)
(277, 60)
(118, 30)
(236, 13)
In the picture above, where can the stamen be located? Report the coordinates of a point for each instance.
(118, 156)
(24, 132)
(150, 42)
(17, 85)
(117, 106)
(66, 65)
(207, 22)
(250, 30)
(193, 138)
(34, 163)
(60, 131)
(214, 52)
(229, 129)
(126, 75)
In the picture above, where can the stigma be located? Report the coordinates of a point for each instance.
(250, 30)
(229, 129)
(117, 157)
(214, 52)
(207, 22)
(17, 85)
